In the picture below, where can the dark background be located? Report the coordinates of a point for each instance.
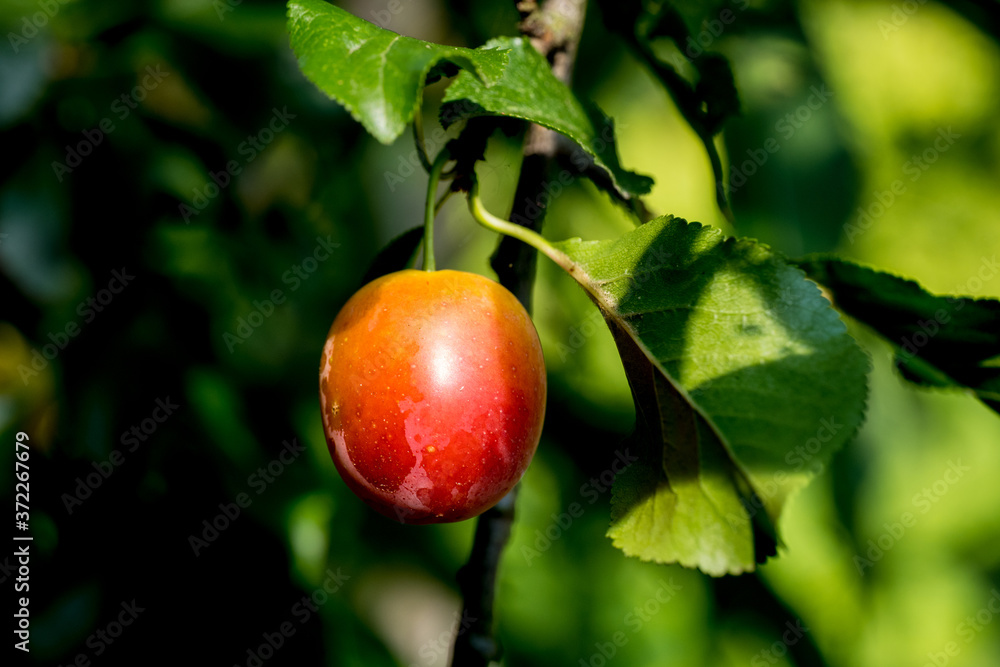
(198, 326)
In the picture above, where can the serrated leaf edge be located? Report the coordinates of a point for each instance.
(453, 52)
(646, 180)
(604, 301)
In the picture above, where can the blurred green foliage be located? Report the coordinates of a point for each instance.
(246, 266)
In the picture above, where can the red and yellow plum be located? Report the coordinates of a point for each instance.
(432, 390)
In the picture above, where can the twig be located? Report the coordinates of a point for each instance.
(476, 646)
(690, 108)
(555, 32)
(703, 107)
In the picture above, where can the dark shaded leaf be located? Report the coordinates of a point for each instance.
(940, 341)
(528, 90)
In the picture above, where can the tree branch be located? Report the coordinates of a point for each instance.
(475, 644)
(554, 31)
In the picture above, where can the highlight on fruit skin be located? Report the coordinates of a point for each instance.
(432, 391)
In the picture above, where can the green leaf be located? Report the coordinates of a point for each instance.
(528, 90)
(679, 502)
(377, 74)
(940, 341)
(745, 382)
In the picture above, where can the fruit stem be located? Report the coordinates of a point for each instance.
(430, 208)
(529, 236)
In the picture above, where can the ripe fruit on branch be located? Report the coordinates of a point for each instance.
(432, 389)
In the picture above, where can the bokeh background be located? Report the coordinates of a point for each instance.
(154, 97)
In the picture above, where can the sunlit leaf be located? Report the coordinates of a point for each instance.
(745, 382)
(377, 74)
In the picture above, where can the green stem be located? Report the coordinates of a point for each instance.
(430, 209)
(529, 236)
